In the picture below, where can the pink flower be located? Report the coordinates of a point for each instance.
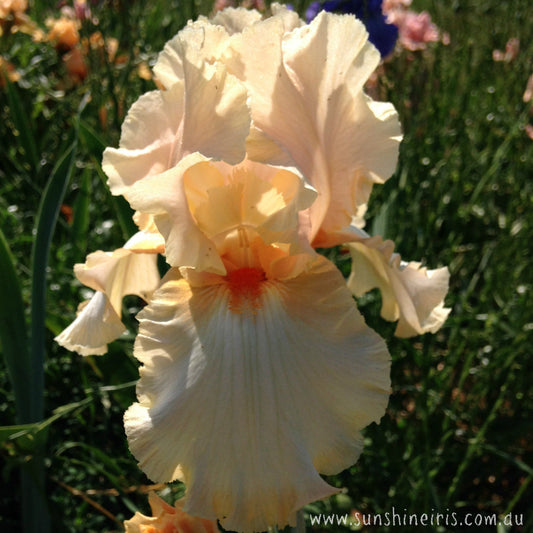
(82, 10)
(512, 47)
(416, 30)
(528, 93)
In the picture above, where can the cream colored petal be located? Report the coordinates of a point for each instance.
(235, 205)
(361, 151)
(290, 18)
(234, 20)
(306, 95)
(96, 325)
(150, 136)
(223, 197)
(199, 41)
(199, 203)
(145, 222)
(205, 112)
(225, 395)
(261, 148)
(121, 272)
(148, 240)
(164, 197)
(410, 293)
(128, 270)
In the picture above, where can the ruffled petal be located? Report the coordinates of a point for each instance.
(234, 20)
(113, 275)
(199, 41)
(164, 197)
(268, 198)
(225, 393)
(307, 95)
(198, 204)
(411, 294)
(205, 112)
(124, 271)
(95, 327)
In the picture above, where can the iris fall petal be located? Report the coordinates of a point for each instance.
(225, 395)
(96, 325)
(128, 270)
(411, 294)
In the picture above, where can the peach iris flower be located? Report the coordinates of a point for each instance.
(258, 372)
(17, 7)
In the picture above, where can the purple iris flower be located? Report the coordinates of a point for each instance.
(380, 33)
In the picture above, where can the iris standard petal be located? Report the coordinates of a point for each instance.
(234, 20)
(307, 95)
(227, 389)
(205, 112)
(199, 41)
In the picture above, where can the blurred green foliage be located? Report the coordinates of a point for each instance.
(457, 434)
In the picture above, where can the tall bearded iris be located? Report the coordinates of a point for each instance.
(258, 372)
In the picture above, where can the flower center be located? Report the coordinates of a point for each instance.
(246, 287)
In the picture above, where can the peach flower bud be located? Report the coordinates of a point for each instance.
(64, 34)
(168, 519)
(75, 65)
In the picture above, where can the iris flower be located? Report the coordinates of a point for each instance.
(258, 371)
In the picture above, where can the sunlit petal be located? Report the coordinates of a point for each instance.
(164, 197)
(199, 204)
(127, 270)
(205, 112)
(226, 391)
(234, 20)
(113, 275)
(96, 325)
(199, 41)
(306, 94)
(411, 294)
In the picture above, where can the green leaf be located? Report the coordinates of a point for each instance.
(46, 220)
(13, 333)
(80, 224)
(36, 433)
(22, 124)
(34, 508)
(122, 209)
(45, 224)
(91, 140)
